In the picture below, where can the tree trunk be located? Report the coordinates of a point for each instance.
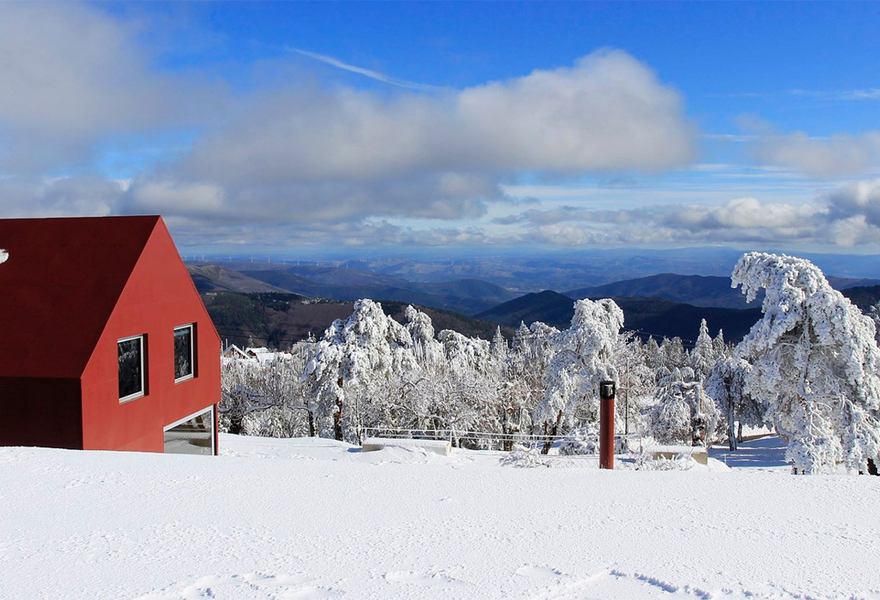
(312, 431)
(337, 416)
(552, 434)
(731, 428)
(337, 422)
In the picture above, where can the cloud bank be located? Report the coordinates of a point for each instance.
(845, 217)
(334, 154)
(74, 77)
(303, 162)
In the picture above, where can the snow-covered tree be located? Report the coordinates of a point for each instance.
(533, 349)
(584, 356)
(352, 362)
(683, 413)
(702, 357)
(654, 356)
(239, 397)
(720, 346)
(421, 330)
(473, 394)
(635, 385)
(674, 354)
(815, 364)
(726, 385)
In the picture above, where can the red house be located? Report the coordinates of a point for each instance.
(104, 341)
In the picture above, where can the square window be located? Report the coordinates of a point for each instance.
(183, 353)
(131, 367)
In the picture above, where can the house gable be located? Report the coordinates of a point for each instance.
(158, 297)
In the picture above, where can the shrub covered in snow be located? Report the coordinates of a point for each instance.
(524, 458)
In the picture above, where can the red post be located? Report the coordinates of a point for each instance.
(606, 424)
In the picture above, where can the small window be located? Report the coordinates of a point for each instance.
(183, 353)
(131, 367)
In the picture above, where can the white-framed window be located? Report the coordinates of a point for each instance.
(192, 435)
(131, 351)
(184, 353)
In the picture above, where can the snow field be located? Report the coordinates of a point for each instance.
(312, 518)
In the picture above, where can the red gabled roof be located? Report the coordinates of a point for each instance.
(59, 287)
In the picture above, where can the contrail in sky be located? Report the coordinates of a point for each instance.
(365, 72)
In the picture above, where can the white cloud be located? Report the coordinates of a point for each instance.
(745, 213)
(333, 154)
(69, 75)
(607, 112)
(58, 197)
(846, 217)
(837, 155)
(842, 154)
(861, 198)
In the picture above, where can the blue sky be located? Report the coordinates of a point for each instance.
(425, 126)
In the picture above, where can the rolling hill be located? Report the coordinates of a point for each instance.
(691, 289)
(278, 320)
(466, 296)
(214, 278)
(657, 317)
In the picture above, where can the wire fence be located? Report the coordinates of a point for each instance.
(484, 440)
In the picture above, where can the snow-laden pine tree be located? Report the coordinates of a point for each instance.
(351, 370)
(815, 364)
(584, 356)
(702, 357)
(674, 354)
(721, 349)
(653, 354)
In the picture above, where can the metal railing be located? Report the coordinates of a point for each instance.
(476, 440)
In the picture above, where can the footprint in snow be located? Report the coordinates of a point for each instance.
(538, 572)
(247, 586)
(612, 583)
(431, 578)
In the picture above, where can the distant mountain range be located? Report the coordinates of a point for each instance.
(466, 296)
(658, 305)
(278, 320)
(522, 270)
(657, 317)
(691, 289)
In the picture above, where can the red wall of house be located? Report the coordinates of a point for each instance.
(40, 412)
(158, 297)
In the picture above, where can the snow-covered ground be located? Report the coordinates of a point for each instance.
(314, 518)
